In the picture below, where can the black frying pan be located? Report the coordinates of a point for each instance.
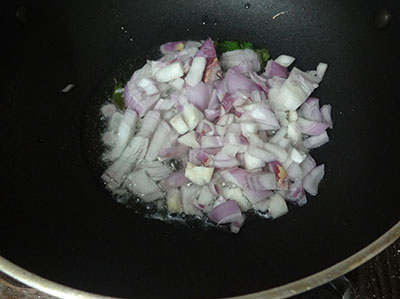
(57, 220)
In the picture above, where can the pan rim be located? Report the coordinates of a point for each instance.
(284, 291)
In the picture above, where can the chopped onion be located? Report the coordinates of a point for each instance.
(170, 72)
(174, 152)
(196, 71)
(226, 212)
(179, 124)
(175, 180)
(214, 143)
(174, 202)
(189, 195)
(275, 69)
(316, 141)
(206, 197)
(313, 178)
(233, 58)
(261, 154)
(172, 46)
(156, 169)
(297, 155)
(285, 60)
(150, 123)
(125, 132)
(296, 89)
(198, 174)
(143, 186)
(108, 110)
(280, 152)
(326, 115)
(312, 128)
(189, 139)
(310, 110)
(277, 206)
(192, 116)
(211, 141)
(157, 142)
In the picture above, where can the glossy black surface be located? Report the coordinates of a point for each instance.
(57, 220)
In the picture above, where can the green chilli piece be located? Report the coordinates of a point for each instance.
(117, 97)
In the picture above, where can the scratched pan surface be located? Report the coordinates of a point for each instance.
(57, 220)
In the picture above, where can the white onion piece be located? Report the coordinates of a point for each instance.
(310, 110)
(261, 181)
(312, 128)
(282, 132)
(263, 206)
(280, 152)
(296, 89)
(143, 186)
(135, 151)
(251, 162)
(196, 71)
(255, 141)
(174, 202)
(189, 195)
(313, 178)
(164, 104)
(179, 124)
(157, 142)
(149, 124)
(177, 83)
(261, 113)
(125, 132)
(233, 58)
(316, 141)
(326, 111)
(211, 141)
(226, 120)
(237, 195)
(198, 174)
(293, 170)
(108, 110)
(297, 155)
(149, 86)
(192, 116)
(67, 88)
(261, 154)
(220, 130)
(277, 206)
(175, 180)
(248, 128)
(321, 70)
(189, 139)
(285, 60)
(226, 212)
(206, 197)
(115, 121)
(308, 164)
(108, 139)
(294, 132)
(170, 72)
(156, 170)
(205, 127)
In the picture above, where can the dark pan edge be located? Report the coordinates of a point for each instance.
(284, 291)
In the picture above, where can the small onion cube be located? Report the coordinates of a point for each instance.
(277, 206)
(192, 116)
(196, 71)
(198, 174)
(170, 72)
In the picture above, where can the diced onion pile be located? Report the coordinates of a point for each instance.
(217, 137)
